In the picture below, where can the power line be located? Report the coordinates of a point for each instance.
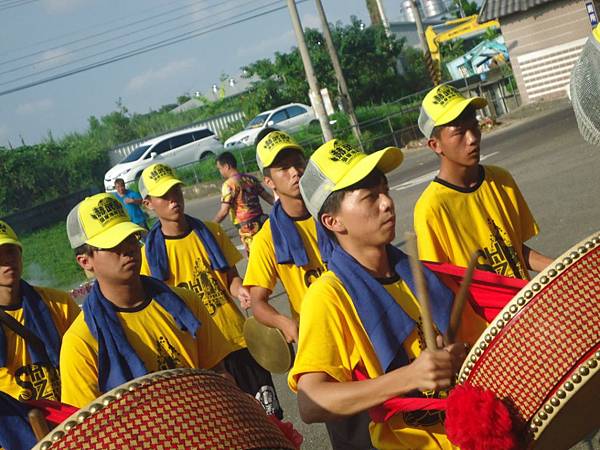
(142, 39)
(15, 3)
(110, 30)
(143, 50)
(104, 41)
(70, 33)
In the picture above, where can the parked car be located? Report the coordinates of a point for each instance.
(174, 149)
(289, 117)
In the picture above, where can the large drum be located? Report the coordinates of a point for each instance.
(541, 354)
(172, 409)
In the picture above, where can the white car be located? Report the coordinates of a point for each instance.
(289, 117)
(174, 149)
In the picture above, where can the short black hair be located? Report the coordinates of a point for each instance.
(227, 158)
(85, 249)
(262, 133)
(281, 155)
(120, 181)
(334, 201)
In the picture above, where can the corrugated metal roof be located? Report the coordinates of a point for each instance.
(496, 9)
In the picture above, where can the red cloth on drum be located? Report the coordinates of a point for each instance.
(489, 291)
(54, 412)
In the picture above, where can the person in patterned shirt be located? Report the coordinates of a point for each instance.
(240, 199)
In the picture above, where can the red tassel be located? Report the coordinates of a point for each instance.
(478, 420)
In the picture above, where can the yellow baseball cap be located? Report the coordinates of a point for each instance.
(271, 145)
(8, 235)
(100, 221)
(442, 105)
(156, 180)
(337, 165)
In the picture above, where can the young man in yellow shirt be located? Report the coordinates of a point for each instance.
(131, 325)
(188, 253)
(293, 248)
(469, 207)
(361, 316)
(29, 370)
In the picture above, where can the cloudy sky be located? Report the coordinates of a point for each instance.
(43, 38)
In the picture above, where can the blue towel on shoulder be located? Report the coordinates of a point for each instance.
(156, 250)
(117, 360)
(289, 247)
(15, 430)
(385, 321)
(38, 320)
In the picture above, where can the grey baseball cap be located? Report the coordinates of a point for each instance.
(585, 89)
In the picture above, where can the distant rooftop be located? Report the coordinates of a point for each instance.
(496, 9)
(230, 87)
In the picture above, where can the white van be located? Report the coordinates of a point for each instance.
(174, 149)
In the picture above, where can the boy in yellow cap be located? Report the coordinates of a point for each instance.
(131, 325)
(288, 246)
(33, 321)
(292, 247)
(360, 334)
(186, 252)
(470, 207)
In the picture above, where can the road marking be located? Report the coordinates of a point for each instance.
(428, 176)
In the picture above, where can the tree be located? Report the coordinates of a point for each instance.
(368, 58)
(182, 99)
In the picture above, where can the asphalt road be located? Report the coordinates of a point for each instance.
(556, 170)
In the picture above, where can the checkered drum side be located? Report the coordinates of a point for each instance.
(545, 340)
(195, 409)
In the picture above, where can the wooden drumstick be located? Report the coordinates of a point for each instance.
(460, 299)
(422, 294)
(38, 423)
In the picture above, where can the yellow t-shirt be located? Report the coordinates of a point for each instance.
(190, 269)
(333, 341)
(21, 379)
(155, 337)
(264, 271)
(451, 223)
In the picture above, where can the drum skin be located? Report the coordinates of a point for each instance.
(171, 409)
(541, 354)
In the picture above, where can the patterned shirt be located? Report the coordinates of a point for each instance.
(241, 192)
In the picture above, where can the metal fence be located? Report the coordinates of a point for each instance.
(398, 128)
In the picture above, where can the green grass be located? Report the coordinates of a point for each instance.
(48, 259)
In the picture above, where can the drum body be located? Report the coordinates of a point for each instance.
(172, 409)
(541, 354)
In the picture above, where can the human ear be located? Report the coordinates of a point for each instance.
(270, 183)
(435, 145)
(333, 223)
(85, 262)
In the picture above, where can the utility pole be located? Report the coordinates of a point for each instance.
(310, 72)
(432, 68)
(339, 74)
(384, 21)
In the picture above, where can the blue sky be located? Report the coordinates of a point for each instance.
(44, 28)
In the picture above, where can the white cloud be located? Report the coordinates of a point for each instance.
(35, 106)
(62, 6)
(283, 43)
(153, 76)
(53, 58)
(311, 21)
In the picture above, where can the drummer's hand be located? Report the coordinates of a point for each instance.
(432, 370)
(243, 296)
(289, 328)
(458, 350)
